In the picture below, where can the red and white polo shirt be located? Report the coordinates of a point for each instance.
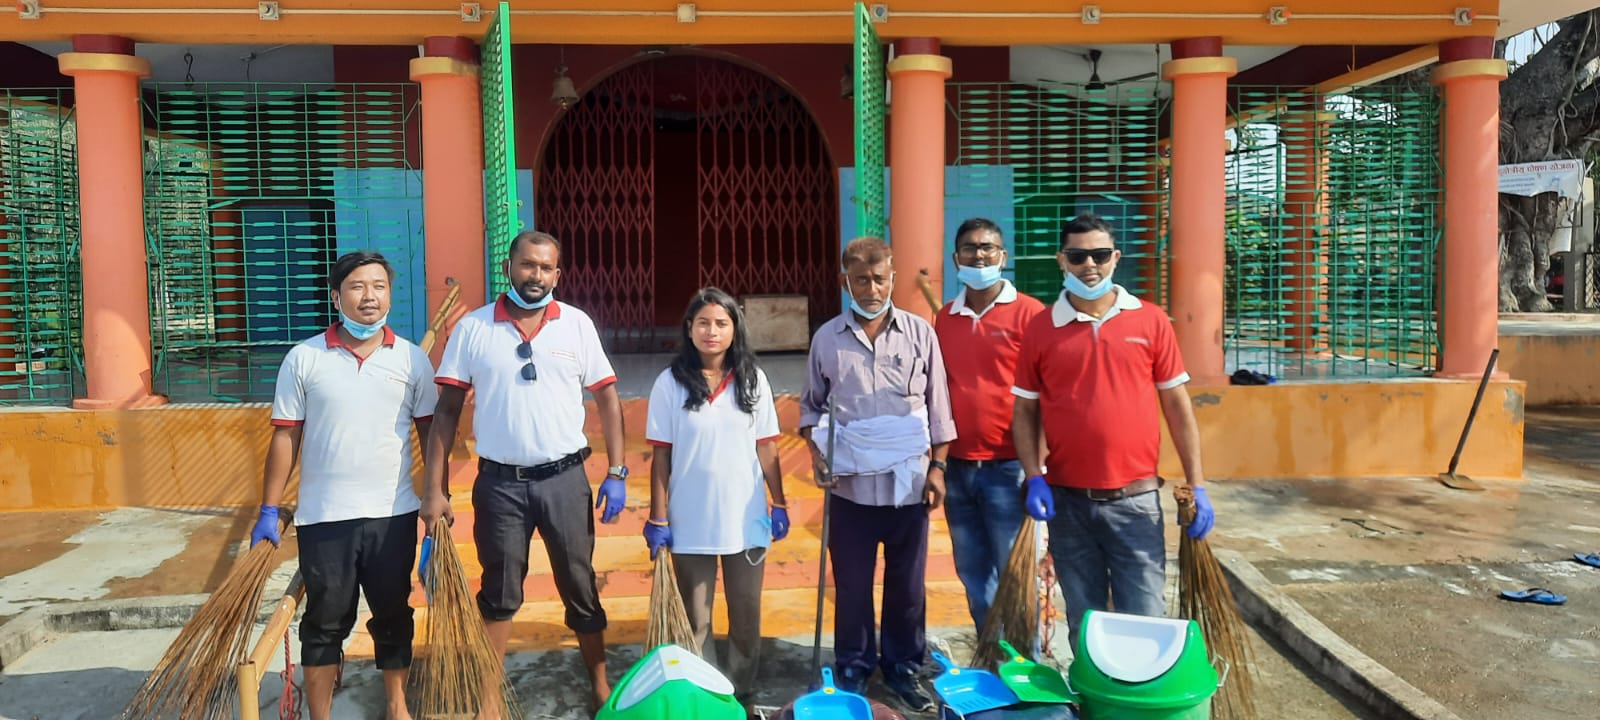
(1096, 382)
(980, 361)
(356, 413)
(526, 422)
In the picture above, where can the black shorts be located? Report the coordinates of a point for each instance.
(507, 512)
(374, 555)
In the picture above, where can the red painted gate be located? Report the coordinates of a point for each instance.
(682, 172)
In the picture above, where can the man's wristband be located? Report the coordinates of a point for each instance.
(938, 464)
(657, 523)
(780, 506)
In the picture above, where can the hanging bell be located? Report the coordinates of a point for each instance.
(562, 92)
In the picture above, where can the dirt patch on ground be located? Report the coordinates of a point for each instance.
(210, 552)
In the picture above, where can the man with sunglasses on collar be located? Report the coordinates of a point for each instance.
(529, 358)
(1092, 367)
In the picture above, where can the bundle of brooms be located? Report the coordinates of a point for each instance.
(668, 623)
(1204, 596)
(195, 679)
(1014, 614)
(458, 665)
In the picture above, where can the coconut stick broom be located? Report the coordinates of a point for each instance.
(669, 620)
(195, 679)
(1014, 614)
(1204, 596)
(458, 671)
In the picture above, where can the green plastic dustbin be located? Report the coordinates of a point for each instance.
(671, 682)
(1129, 667)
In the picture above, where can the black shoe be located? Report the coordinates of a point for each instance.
(851, 679)
(908, 688)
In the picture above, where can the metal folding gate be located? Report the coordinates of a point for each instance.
(615, 187)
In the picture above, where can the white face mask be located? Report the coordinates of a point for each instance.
(1081, 289)
(360, 330)
(978, 278)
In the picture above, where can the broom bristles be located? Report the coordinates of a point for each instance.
(195, 677)
(1205, 597)
(1014, 614)
(458, 669)
(669, 620)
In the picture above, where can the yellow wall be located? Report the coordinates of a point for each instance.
(1559, 369)
(1356, 429)
(197, 456)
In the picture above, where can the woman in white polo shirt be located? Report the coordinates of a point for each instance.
(713, 427)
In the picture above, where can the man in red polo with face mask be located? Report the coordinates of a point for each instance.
(1096, 367)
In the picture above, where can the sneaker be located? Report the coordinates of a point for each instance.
(908, 688)
(850, 679)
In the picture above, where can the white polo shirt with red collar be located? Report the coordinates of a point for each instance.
(526, 422)
(1096, 381)
(356, 415)
(717, 497)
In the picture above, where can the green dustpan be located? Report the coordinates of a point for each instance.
(1031, 681)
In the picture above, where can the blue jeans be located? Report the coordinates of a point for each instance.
(983, 507)
(1110, 554)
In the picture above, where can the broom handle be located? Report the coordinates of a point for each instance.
(1461, 444)
(822, 563)
(437, 323)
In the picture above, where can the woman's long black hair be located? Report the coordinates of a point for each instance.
(740, 360)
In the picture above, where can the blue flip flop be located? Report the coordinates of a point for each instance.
(1592, 559)
(1540, 596)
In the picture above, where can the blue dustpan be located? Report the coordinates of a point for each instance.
(970, 690)
(831, 703)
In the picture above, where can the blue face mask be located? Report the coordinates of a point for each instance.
(360, 330)
(516, 297)
(978, 278)
(855, 307)
(1078, 288)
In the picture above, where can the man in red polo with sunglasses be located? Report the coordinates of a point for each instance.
(1096, 367)
(529, 360)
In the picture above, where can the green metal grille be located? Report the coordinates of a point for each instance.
(251, 192)
(870, 116)
(40, 318)
(1333, 277)
(1031, 157)
(499, 147)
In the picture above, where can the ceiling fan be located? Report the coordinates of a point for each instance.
(1095, 83)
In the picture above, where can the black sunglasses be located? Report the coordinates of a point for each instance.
(1077, 256)
(525, 351)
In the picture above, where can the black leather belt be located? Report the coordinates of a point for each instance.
(980, 464)
(534, 473)
(1137, 487)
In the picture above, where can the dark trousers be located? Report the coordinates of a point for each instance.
(374, 556)
(507, 512)
(856, 532)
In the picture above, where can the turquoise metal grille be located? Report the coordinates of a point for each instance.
(251, 192)
(499, 147)
(870, 116)
(40, 316)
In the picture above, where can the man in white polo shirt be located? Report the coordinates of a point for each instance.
(529, 359)
(344, 405)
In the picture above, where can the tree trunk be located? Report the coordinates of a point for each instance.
(1526, 226)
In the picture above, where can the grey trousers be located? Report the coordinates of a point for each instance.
(741, 581)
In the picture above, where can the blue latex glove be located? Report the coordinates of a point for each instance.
(613, 495)
(780, 523)
(1040, 502)
(657, 537)
(266, 526)
(422, 560)
(1204, 516)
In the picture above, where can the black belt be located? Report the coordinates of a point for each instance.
(980, 464)
(534, 473)
(1137, 487)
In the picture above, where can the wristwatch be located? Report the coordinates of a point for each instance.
(619, 472)
(938, 464)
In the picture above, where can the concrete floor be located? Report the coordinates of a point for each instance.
(1405, 569)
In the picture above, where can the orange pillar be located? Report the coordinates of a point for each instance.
(116, 292)
(916, 170)
(1306, 203)
(452, 171)
(1199, 76)
(1471, 79)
